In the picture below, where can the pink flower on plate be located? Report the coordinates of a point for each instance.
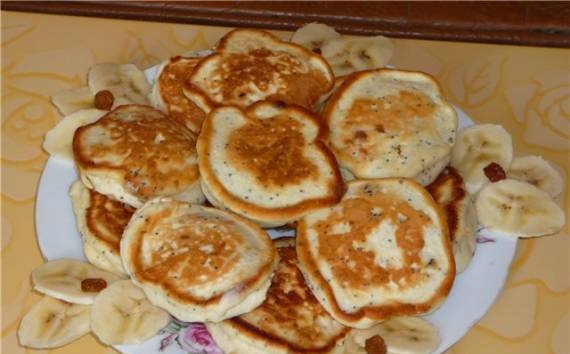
(196, 338)
(167, 341)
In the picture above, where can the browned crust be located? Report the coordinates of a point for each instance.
(221, 47)
(250, 283)
(308, 265)
(458, 194)
(223, 42)
(336, 187)
(276, 341)
(90, 222)
(193, 90)
(164, 96)
(83, 162)
(346, 85)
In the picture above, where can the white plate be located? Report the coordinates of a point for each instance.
(473, 292)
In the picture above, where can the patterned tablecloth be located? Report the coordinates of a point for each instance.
(525, 89)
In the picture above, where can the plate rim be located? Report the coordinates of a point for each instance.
(509, 244)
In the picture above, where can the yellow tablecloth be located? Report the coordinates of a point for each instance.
(525, 89)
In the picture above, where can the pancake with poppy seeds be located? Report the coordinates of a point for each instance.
(101, 222)
(135, 153)
(448, 190)
(167, 93)
(250, 65)
(383, 251)
(289, 321)
(267, 163)
(391, 123)
(197, 263)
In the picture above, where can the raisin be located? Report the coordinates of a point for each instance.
(104, 100)
(375, 345)
(93, 285)
(494, 172)
(280, 104)
(360, 134)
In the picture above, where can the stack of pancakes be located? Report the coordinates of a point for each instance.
(290, 320)
(241, 128)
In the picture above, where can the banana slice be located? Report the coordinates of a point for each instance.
(348, 54)
(127, 83)
(402, 335)
(73, 100)
(52, 323)
(58, 141)
(477, 147)
(538, 172)
(314, 35)
(70, 280)
(121, 314)
(519, 209)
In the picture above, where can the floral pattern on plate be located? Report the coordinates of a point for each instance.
(191, 338)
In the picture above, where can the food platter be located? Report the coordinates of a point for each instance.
(473, 293)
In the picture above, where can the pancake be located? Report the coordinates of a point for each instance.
(391, 123)
(383, 251)
(101, 222)
(267, 163)
(448, 190)
(135, 153)
(425, 177)
(322, 103)
(197, 263)
(290, 320)
(167, 93)
(251, 65)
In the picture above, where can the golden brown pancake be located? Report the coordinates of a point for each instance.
(107, 218)
(101, 222)
(448, 190)
(290, 320)
(267, 163)
(135, 153)
(198, 263)
(167, 92)
(383, 251)
(253, 65)
(391, 123)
